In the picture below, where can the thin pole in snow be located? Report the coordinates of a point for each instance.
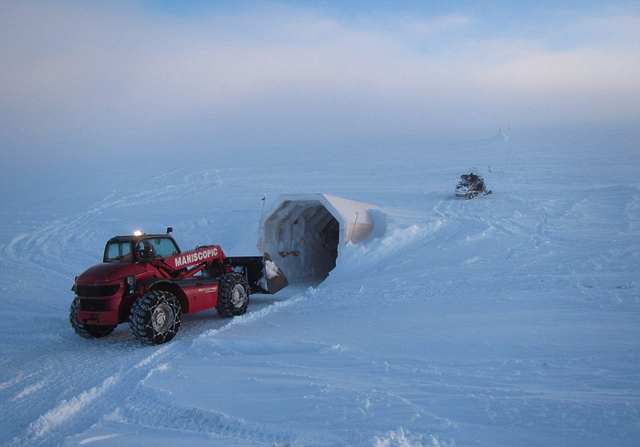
(264, 199)
(355, 222)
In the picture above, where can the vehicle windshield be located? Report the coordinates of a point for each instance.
(162, 247)
(118, 252)
(146, 249)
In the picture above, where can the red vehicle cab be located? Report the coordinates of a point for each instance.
(147, 281)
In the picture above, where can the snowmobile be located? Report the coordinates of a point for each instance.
(471, 185)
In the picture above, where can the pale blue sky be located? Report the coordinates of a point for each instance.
(112, 75)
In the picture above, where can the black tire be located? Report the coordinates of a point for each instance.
(233, 295)
(155, 317)
(86, 330)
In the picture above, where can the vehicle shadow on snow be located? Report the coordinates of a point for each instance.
(195, 324)
(192, 325)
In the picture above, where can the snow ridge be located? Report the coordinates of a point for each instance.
(67, 409)
(149, 408)
(253, 316)
(507, 320)
(404, 438)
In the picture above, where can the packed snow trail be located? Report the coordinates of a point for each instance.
(508, 320)
(86, 378)
(92, 378)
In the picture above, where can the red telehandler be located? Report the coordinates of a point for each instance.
(147, 281)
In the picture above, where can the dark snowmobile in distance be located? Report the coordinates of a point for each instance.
(471, 185)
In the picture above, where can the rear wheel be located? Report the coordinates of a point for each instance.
(155, 317)
(233, 296)
(86, 330)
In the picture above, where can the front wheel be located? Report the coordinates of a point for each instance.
(155, 317)
(233, 295)
(86, 330)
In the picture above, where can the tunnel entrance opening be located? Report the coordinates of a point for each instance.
(305, 237)
(303, 234)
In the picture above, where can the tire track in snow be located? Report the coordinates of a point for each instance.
(252, 316)
(30, 389)
(73, 389)
(148, 408)
(47, 249)
(102, 377)
(67, 409)
(92, 382)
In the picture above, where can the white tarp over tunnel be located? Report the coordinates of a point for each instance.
(303, 233)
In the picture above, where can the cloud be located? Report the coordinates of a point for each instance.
(610, 29)
(113, 74)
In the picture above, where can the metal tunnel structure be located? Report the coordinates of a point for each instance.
(303, 233)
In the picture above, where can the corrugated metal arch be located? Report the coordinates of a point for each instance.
(303, 232)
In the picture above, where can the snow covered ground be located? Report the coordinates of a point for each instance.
(510, 320)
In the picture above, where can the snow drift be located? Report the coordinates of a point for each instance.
(508, 320)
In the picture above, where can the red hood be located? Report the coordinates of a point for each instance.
(109, 272)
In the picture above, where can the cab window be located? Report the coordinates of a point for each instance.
(164, 247)
(117, 251)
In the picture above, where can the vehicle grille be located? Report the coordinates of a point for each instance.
(95, 291)
(93, 305)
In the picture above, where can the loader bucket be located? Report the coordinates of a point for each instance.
(263, 274)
